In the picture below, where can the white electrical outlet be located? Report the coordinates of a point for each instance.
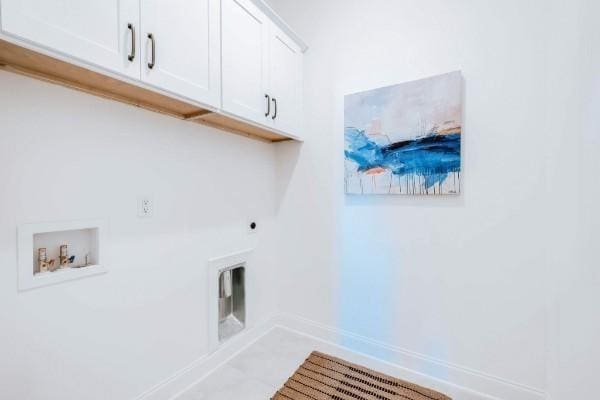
(145, 206)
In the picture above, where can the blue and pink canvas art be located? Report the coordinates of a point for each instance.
(405, 139)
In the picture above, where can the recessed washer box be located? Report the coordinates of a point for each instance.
(230, 287)
(84, 239)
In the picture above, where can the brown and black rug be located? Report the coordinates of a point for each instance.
(324, 377)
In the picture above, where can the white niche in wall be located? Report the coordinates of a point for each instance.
(82, 256)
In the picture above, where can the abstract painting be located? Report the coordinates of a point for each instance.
(405, 139)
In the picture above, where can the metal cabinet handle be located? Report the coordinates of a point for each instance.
(268, 105)
(131, 55)
(275, 104)
(153, 43)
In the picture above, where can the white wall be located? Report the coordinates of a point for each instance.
(472, 282)
(576, 352)
(501, 282)
(66, 155)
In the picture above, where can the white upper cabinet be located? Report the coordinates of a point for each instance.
(100, 32)
(285, 82)
(230, 63)
(181, 47)
(262, 69)
(245, 39)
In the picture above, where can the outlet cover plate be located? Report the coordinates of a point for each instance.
(145, 206)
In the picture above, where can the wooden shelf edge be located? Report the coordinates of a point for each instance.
(23, 61)
(273, 137)
(88, 89)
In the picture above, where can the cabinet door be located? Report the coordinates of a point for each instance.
(285, 82)
(181, 45)
(245, 41)
(99, 32)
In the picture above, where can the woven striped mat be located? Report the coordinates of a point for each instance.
(323, 377)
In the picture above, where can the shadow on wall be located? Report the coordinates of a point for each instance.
(287, 155)
(382, 200)
(373, 288)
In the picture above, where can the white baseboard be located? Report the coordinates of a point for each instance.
(459, 382)
(183, 379)
(416, 367)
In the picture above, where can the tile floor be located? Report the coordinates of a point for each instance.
(260, 370)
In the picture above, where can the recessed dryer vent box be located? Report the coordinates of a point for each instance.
(229, 289)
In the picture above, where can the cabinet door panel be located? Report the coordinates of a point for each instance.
(245, 41)
(94, 31)
(187, 43)
(285, 66)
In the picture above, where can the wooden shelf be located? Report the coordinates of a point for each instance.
(23, 61)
